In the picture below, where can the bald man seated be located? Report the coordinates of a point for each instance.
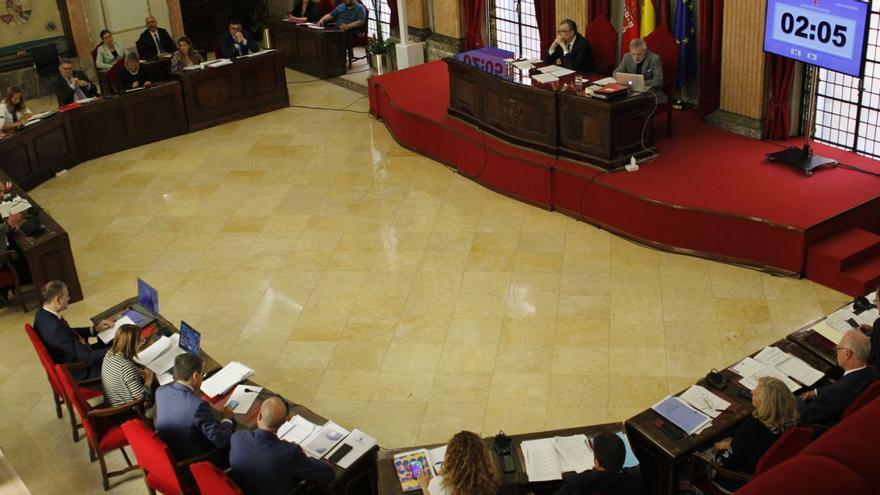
(825, 405)
(154, 41)
(262, 463)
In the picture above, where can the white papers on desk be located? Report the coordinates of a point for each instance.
(31, 121)
(747, 367)
(545, 78)
(704, 400)
(789, 365)
(245, 395)
(556, 70)
(603, 82)
(523, 65)
(195, 66)
(258, 53)
(547, 458)
(220, 62)
(42, 115)
(437, 456)
(681, 414)
(15, 205)
(159, 357)
(296, 430)
(752, 382)
(231, 375)
(360, 444)
(323, 439)
(107, 335)
(313, 26)
(87, 100)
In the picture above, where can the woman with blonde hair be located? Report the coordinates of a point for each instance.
(468, 469)
(123, 380)
(775, 411)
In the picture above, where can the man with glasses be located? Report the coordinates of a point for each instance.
(71, 86)
(825, 405)
(570, 49)
(236, 42)
(642, 61)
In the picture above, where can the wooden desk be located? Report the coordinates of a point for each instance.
(317, 52)
(358, 479)
(123, 122)
(34, 154)
(659, 454)
(157, 69)
(48, 254)
(248, 86)
(511, 483)
(561, 123)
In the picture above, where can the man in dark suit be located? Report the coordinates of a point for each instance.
(825, 405)
(608, 475)
(71, 85)
(154, 41)
(235, 42)
(642, 61)
(264, 464)
(184, 421)
(65, 344)
(570, 49)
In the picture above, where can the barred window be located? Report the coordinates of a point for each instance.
(847, 108)
(382, 18)
(514, 27)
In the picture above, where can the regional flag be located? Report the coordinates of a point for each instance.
(649, 18)
(630, 24)
(686, 37)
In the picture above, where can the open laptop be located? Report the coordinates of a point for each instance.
(190, 338)
(635, 82)
(146, 309)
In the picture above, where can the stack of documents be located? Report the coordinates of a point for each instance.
(523, 65)
(296, 430)
(360, 444)
(556, 70)
(545, 78)
(682, 415)
(15, 205)
(231, 375)
(772, 361)
(324, 438)
(107, 335)
(244, 395)
(220, 62)
(42, 115)
(159, 357)
(547, 458)
(701, 398)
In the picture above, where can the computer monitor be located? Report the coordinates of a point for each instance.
(190, 338)
(148, 297)
(635, 82)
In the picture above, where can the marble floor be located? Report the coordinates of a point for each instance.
(380, 288)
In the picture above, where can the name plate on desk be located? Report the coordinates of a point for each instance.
(491, 60)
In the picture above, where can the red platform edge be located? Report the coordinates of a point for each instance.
(573, 189)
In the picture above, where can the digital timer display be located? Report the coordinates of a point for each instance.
(825, 33)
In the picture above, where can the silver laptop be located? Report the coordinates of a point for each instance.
(635, 82)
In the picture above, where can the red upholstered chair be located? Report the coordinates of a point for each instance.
(212, 480)
(161, 473)
(113, 74)
(360, 39)
(55, 382)
(103, 435)
(603, 41)
(661, 42)
(868, 395)
(9, 278)
(94, 52)
(788, 445)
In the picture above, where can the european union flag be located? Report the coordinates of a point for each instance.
(686, 37)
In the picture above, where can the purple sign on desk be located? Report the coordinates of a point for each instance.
(489, 60)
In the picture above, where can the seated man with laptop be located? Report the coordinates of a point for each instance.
(641, 69)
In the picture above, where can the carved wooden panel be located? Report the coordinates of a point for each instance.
(102, 128)
(214, 92)
(53, 147)
(320, 53)
(521, 112)
(16, 161)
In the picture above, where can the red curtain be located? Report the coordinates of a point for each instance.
(711, 13)
(663, 8)
(545, 12)
(781, 71)
(595, 8)
(392, 8)
(473, 19)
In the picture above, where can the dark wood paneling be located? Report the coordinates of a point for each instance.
(32, 155)
(317, 52)
(249, 86)
(602, 133)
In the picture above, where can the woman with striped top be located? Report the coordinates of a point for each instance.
(123, 380)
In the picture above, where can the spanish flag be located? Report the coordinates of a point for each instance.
(649, 18)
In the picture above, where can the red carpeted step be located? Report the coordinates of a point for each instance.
(848, 261)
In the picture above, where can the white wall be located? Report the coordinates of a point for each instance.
(133, 10)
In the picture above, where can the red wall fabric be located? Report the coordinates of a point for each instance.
(597, 8)
(473, 19)
(663, 13)
(545, 11)
(781, 71)
(711, 13)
